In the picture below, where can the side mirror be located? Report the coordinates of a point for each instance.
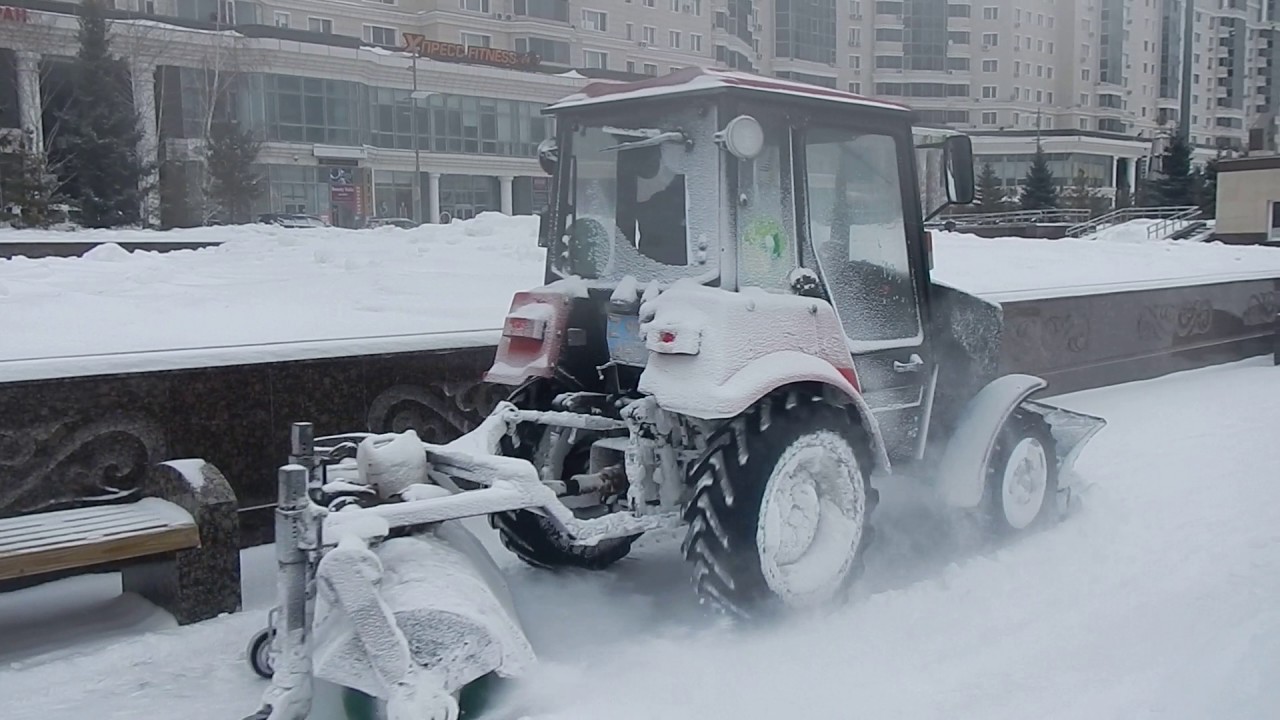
(957, 150)
(549, 155)
(544, 228)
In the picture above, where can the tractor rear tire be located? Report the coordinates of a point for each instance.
(535, 539)
(1022, 476)
(779, 515)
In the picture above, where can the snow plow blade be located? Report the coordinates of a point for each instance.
(1071, 430)
(382, 593)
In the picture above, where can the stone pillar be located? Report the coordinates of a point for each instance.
(30, 107)
(505, 183)
(433, 197)
(143, 76)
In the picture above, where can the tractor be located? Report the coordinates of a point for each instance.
(737, 332)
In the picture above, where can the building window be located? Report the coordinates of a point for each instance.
(481, 6)
(149, 7)
(990, 13)
(476, 40)
(630, 30)
(597, 59)
(379, 35)
(649, 35)
(555, 52)
(889, 34)
(855, 88)
(557, 10)
(673, 37)
(281, 19)
(991, 39)
(855, 61)
(989, 118)
(631, 66)
(650, 69)
(695, 42)
(958, 37)
(320, 25)
(958, 63)
(990, 66)
(990, 92)
(889, 61)
(650, 3)
(958, 11)
(595, 20)
(855, 37)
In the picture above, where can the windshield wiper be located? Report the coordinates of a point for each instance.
(649, 138)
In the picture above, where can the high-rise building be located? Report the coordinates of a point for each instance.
(1100, 83)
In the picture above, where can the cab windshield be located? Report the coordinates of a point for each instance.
(634, 205)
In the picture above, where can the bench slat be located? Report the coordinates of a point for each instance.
(97, 551)
(24, 522)
(79, 534)
(67, 539)
(65, 526)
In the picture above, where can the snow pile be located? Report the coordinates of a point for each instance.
(1155, 600)
(1008, 269)
(267, 287)
(271, 293)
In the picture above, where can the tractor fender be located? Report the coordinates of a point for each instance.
(962, 468)
(685, 391)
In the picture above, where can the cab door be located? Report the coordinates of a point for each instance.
(861, 215)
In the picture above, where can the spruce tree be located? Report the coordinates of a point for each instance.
(1040, 190)
(1083, 194)
(1177, 183)
(990, 191)
(230, 154)
(101, 131)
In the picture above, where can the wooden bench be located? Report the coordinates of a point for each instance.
(181, 552)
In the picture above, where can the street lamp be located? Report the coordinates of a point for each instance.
(414, 96)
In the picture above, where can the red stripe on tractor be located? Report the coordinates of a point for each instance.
(851, 375)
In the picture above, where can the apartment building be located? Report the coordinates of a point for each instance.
(1099, 82)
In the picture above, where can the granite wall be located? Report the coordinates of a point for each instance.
(92, 439)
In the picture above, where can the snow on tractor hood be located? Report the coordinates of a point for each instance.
(713, 353)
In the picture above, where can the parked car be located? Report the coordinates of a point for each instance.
(292, 220)
(402, 223)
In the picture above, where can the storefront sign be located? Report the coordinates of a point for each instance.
(453, 52)
(14, 14)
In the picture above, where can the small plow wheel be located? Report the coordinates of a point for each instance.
(1022, 476)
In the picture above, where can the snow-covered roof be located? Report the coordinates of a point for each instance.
(704, 79)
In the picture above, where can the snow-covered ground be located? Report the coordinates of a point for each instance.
(1156, 599)
(269, 293)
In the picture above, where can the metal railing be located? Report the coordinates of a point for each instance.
(1173, 224)
(1014, 217)
(1123, 215)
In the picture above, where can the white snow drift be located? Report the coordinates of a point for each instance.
(270, 293)
(1156, 599)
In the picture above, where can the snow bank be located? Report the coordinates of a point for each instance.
(266, 293)
(1009, 269)
(269, 293)
(1155, 600)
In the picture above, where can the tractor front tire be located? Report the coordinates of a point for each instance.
(779, 514)
(1022, 476)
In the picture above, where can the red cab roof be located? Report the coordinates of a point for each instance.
(701, 79)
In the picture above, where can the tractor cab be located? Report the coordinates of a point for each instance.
(737, 180)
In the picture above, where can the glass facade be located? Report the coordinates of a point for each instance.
(805, 30)
(925, 41)
(289, 108)
(1012, 169)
